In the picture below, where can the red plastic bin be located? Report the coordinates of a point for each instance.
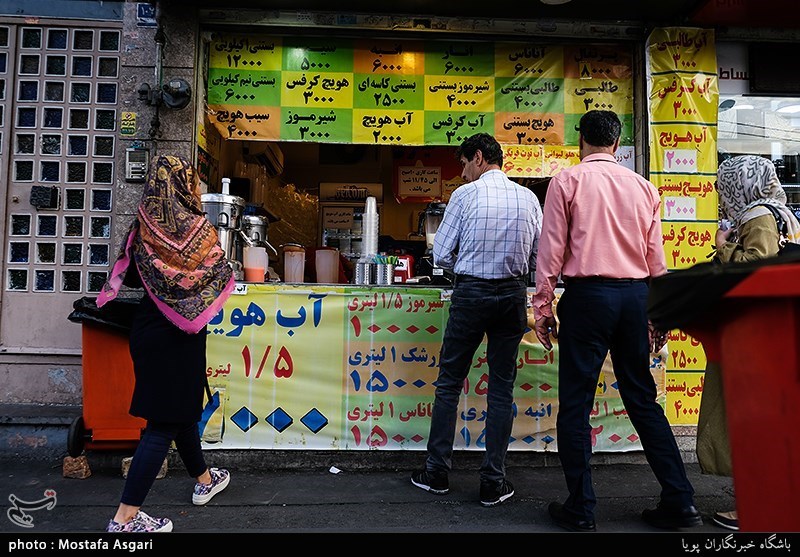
(108, 381)
(754, 335)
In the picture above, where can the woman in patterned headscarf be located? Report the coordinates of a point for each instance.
(749, 191)
(173, 252)
(748, 188)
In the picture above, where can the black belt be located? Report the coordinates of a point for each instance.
(470, 278)
(604, 280)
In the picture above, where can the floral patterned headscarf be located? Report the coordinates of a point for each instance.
(748, 182)
(175, 248)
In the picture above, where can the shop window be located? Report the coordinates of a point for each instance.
(26, 117)
(45, 252)
(53, 117)
(76, 172)
(50, 171)
(80, 93)
(28, 91)
(766, 126)
(29, 64)
(31, 38)
(73, 226)
(55, 65)
(19, 252)
(54, 91)
(75, 199)
(46, 225)
(105, 119)
(102, 172)
(20, 225)
(100, 227)
(82, 40)
(44, 281)
(4, 36)
(72, 254)
(81, 66)
(78, 145)
(98, 254)
(56, 39)
(104, 146)
(23, 171)
(96, 280)
(3, 62)
(107, 93)
(109, 41)
(2, 88)
(107, 67)
(71, 281)
(25, 144)
(51, 144)
(17, 279)
(78, 119)
(101, 200)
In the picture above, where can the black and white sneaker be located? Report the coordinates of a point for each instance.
(494, 493)
(430, 481)
(727, 520)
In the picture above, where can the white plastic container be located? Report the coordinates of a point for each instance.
(294, 265)
(255, 263)
(327, 265)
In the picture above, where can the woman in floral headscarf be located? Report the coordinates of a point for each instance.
(173, 252)
(748, 189)
(752, 199)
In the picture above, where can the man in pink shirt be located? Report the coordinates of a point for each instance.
(602, 234)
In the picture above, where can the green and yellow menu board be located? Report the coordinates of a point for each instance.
(406, 92)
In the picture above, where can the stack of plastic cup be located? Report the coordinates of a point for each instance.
(370, 228)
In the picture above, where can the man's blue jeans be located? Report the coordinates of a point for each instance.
(478, 307)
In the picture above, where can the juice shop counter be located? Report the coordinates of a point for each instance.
(352, 367)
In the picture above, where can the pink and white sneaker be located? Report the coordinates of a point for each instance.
(203, 493)
(141, 522)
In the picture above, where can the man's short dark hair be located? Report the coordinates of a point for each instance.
(484, 143)
(600, 128)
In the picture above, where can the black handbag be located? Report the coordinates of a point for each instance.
(786, 247)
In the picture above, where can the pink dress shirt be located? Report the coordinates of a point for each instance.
(600, 219)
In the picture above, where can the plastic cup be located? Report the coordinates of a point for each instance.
(371, 206)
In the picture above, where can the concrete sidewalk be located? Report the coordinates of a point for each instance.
(266, 495)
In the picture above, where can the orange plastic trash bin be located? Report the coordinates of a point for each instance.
(108, 380)
(753, 332)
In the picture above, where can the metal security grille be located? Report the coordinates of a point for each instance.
(59, 92)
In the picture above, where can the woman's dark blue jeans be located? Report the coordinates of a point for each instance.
(152, 451)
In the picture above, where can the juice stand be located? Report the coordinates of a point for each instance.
(352, 367)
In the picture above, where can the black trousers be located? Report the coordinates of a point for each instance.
(597, 318)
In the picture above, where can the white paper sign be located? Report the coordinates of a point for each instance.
(337, 217)
(419, 181)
